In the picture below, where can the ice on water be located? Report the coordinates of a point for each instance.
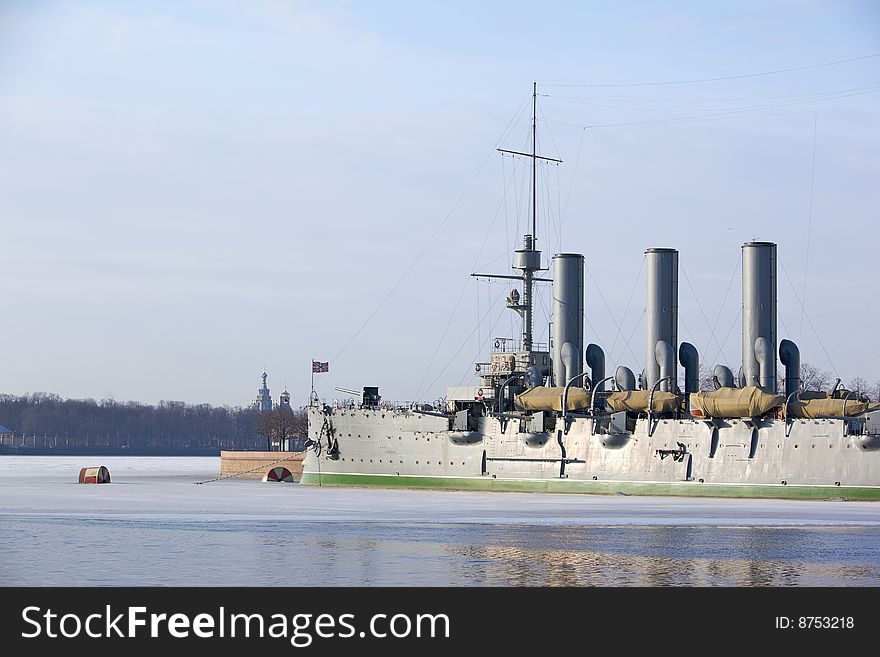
(153, 525)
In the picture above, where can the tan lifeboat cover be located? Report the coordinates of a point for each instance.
(549, 398)
(636, 401)
(750, 401)
(817, 408)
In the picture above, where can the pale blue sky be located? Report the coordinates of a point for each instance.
(193, 191)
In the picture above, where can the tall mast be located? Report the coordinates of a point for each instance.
(528, 273)
(534, 161)
(528, 258)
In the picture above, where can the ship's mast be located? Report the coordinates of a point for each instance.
(534, 163)
(527, 259)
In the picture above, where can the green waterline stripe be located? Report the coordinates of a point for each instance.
(686, 489)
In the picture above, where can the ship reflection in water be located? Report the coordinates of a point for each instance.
(676, 556)
(214, 551)
(604, 556)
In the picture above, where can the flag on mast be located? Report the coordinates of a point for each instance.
(318, 367)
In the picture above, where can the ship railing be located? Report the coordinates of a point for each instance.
(513, 345)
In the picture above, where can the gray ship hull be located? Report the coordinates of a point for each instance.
(734, 457)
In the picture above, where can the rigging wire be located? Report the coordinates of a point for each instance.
(809, 223)
(784, 325)
(631, 334)
(486, 265)
(723, 301)
(853, 325)
(571, 183)
(699, 305)
(481, 347)
(601, 296)
(703, 99)
(727, 113)
(809, 321)
(477, 284)
(466, 340)
(809, 98)
(504, 184)
(724, 342)
(724, 77)
(434, 235)
(461, 294)
(626, 309)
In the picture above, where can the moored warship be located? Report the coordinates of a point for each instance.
(552, 419)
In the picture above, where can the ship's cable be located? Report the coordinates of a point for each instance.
(740, 76)
(460, 296)
(481, 347)
(727, 335)
(699, 305)
(243, 472)
(807, 316)
(868, 94)
(809, 224)
(571, 183)
(435, 234)
(466, 340)
(861, 318)
(724, 299)
(628, 302)
(629, 339)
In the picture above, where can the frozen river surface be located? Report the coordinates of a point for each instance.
(154, 526)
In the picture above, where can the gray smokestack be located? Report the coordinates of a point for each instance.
(661, 317)
(759, 315)
(568, 316)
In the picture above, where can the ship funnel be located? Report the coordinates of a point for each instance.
(661, 317)
(790, 356)
(596, 363)
(568, 316)
(690, 361)
(759, 315)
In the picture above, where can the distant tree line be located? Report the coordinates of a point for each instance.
(86, 422)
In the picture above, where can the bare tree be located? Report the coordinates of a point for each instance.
(281, 424)
(812, 378)
(860, 386)
(263, 427)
